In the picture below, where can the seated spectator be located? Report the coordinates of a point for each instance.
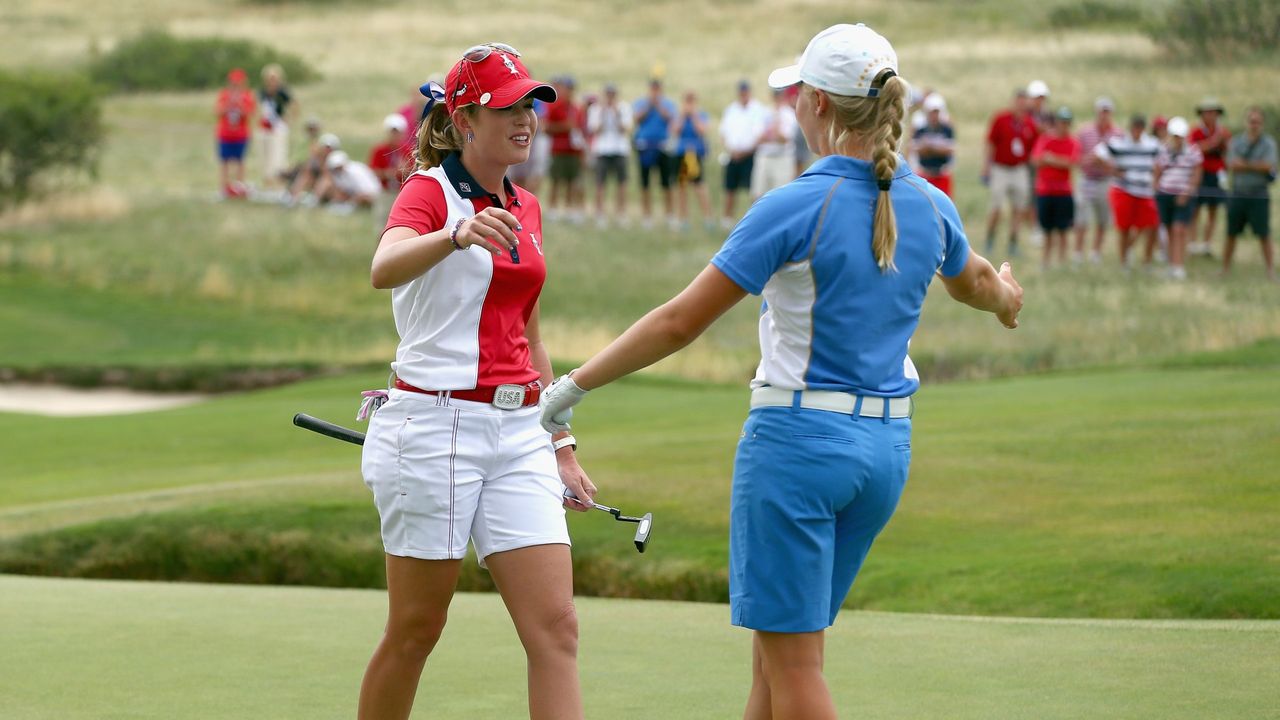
(1131, 160)
(1177, 177)
(312, 170)
(934, 144)
(1251, 158)
(348, 183)
(609, 124)
(1056, 154)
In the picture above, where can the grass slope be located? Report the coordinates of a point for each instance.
(1106, 494)
(102, 650)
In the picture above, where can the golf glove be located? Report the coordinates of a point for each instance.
(557, 403)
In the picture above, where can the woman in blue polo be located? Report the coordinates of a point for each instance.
(843, 257)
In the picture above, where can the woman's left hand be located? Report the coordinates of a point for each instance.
(574, 478)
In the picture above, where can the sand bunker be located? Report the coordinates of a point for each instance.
(58, 401)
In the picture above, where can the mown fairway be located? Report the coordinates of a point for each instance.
(1136, 493)
(145, 650)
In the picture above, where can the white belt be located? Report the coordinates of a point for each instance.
(839, 402)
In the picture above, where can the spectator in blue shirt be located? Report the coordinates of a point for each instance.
(653, 116)
(690, 131)
(843, 256)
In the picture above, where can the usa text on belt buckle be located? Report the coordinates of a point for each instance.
(509, 397)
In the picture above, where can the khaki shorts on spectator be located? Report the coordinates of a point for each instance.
(771, 171)
(1010, 184)
(1093, 208)
(566, 167)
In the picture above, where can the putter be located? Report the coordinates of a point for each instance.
(644, 523)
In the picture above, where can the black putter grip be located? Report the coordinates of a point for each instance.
(323, 427)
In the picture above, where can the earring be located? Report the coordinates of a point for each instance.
(471, 138)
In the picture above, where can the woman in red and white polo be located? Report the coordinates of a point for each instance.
(457, 452)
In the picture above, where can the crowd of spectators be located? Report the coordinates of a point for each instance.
(1159, 182)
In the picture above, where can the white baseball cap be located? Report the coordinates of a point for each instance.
(1178, 126)
(395, 121)
(843, 60)
(337, 159)
(330, 141)
(934, 101)
(1037, 89)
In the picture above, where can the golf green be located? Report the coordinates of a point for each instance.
(113, 649)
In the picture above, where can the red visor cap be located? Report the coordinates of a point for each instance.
(499, 81)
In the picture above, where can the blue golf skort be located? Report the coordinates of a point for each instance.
(811, 491)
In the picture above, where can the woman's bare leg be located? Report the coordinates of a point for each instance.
(536, 584)
(418, 594)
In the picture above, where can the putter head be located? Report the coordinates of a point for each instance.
(642, 532)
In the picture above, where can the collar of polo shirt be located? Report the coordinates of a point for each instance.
(466, 185)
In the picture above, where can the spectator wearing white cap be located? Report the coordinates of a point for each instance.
(1042, 117)
(1006, 169)
(934, 144)
(388, 162)
(1038, 93)
(348, 183)
(1179, 165)
(1093, 206)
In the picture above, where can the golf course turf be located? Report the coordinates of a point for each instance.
(115, 649)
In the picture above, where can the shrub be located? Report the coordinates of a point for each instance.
(1220, 29)
(48, 123)
(156, 60)
(1093, 13)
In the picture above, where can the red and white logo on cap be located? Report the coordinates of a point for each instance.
(494, 77)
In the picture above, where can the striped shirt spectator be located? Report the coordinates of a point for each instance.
(1134, 160)
(1177, 169)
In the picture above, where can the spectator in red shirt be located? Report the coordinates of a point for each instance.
(1056, 153)
(1212, 137)
(1009, 141)
(234, 110)
(565, 127)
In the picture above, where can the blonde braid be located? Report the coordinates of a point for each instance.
(885, 138)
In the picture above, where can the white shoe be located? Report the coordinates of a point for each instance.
(726, 223)
(1077, 258)
(602, 223)
(1095, 258)
(1177, 272)
(674, 224)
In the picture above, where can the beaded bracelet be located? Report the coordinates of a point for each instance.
(453, 234)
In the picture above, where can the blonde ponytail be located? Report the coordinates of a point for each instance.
(876, 121)
(884, 158)
(437, 137)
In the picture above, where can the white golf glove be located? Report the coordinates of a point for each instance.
(557, 403)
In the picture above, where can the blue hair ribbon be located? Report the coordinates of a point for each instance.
(434, 93)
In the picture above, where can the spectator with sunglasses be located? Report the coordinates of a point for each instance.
(457, 453)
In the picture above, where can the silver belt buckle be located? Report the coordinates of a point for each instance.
(508, 397)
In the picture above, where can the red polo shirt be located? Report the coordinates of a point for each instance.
(1013, 137)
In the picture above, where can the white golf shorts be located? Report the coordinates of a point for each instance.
(442, 470)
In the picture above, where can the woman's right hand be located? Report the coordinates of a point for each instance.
(493, 229)
(1013, 298)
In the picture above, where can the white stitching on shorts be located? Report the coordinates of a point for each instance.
(453, 453)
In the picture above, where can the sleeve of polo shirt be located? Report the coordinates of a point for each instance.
(420, 206)
(771, 234)
(956, 243)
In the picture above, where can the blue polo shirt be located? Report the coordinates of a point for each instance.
(651, 130)
(831, 320)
